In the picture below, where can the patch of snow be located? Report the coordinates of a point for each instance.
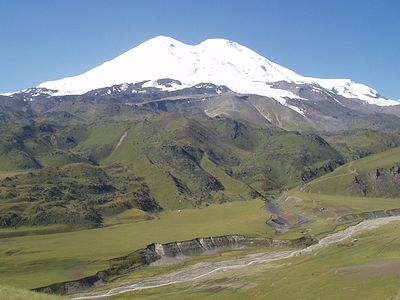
(317, 90)
(204, 86)
(124, 87)
(210, 114)
(174, 86)
(297, 109)
(349, 89)
(338, 101)
(8, 94)
(33, 92)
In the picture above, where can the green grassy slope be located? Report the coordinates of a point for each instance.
(355, 144)
(316, 207)
(233, 188)
(349, 179)
(33, 261)
(11, 293)
(151, 157)
(167, 158)
(323, 210)
(70, 166)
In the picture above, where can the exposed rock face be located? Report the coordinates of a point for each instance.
(200, 246)
(165, 252)
(382, 182)
(279, 224)
(313, 172)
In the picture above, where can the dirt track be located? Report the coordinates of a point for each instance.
(204, 269)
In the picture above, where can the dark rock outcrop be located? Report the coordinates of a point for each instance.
(198, 246)
(279, 224)
(380, 182)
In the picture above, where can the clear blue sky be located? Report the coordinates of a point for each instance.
(50, 39)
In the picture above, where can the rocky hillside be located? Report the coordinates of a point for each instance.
(81, 149)
(373, 176)
(75, 160)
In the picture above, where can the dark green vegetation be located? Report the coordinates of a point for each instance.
(74, 194)
(73, 161)
(108, 175)
(355, 144)
(89, 159)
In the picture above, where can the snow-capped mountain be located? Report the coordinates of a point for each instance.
(217, 61)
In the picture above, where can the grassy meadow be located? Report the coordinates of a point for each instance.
(367, 267)
(11, 293)
(37, 260)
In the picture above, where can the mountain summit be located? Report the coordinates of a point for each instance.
(217, 61)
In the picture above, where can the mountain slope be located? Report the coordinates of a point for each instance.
(172, 142)
(216, 61)
(373, 176)
(99, 158)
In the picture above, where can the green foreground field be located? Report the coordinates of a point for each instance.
(38, 260)
(367, 267)
(11, 293)
(363, 267)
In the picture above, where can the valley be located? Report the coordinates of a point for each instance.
(39, 260)
(363, 267)
(239, 217)
(224, 173)
(198, 271)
